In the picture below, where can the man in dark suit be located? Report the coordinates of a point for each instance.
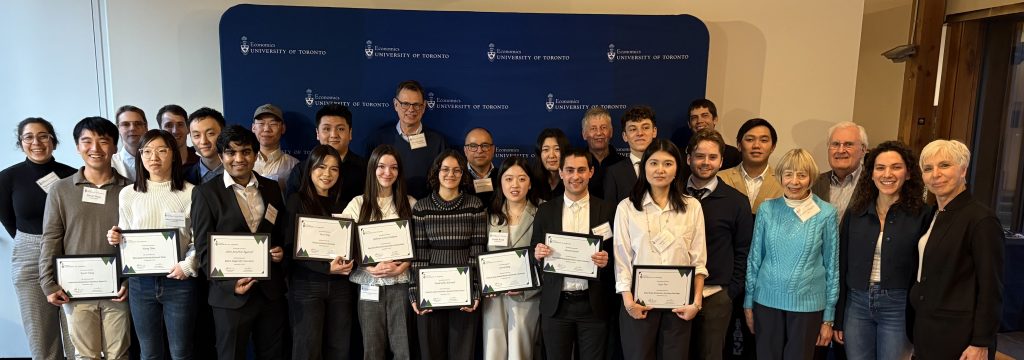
(576, 311)
(729, 226)
(205, 126)
(240, 201)
(638, 130)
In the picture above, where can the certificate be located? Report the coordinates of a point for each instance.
(663, 287)
(570, 254)
(239, 255)
(322, 238)
(507, 270)
(385, 240)
(444, 287)
(148, 252)
(87, 276)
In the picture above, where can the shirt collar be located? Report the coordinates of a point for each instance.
(648, 200)
(79, 178)
(125, 155)
(850, 179)
(273, 156)
(228, 181)
(633, 160)
(748, 177)
(711, 186)
(582, 202)
(478, 176)
(417, 130)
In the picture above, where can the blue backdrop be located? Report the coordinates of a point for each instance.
(514, 74)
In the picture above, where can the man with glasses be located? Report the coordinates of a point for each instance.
(271, 162)
(172, 118)
(416, 144)
(847, 143)
(131, 124)
(638, 130)
(479, 149)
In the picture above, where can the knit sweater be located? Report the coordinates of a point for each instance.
(794, 265)
(144, 211)
(448, 232)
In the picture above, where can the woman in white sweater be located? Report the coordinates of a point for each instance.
(163, 306)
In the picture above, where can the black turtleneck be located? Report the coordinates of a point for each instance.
(22, 201)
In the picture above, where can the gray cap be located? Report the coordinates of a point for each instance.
(268, 109)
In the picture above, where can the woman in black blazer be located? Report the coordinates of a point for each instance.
(958, 294)
(878, 254)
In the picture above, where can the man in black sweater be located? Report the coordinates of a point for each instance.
(729, 226)
(334, 128)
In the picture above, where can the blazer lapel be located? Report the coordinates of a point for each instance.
(520, 236)
(736, 178)
(230, 203)
(937, 235)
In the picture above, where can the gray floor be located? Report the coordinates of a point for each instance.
(1012, 344)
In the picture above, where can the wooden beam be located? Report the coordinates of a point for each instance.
(918, 123)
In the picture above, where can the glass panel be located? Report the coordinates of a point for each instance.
(1009, 204)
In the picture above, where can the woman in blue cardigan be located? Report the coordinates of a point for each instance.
(792, 269)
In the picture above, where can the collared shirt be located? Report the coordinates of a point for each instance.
(710, 186)
(250, 201)
(921, 244)
(124, 163)
(753, 183)
(637, 233)
(840, 191)
(417, 130)
(477, 176)
(576, 219)
(275, 166)
(636, 164)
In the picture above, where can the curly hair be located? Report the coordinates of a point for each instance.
(910, 193)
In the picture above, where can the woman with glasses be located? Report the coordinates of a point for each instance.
(23, 189)
(163, 307)
(550, 144)
(449, 228)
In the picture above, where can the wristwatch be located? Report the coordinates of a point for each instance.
(699, 307)
(829, 323)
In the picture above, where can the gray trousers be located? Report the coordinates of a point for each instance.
(383, 323)
(45, 324)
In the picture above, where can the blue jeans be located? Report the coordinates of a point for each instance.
(158, 302)
(875, 326)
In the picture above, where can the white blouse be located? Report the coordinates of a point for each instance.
(637, 231)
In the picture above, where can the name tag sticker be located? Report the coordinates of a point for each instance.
(94, 195)
(806, 210)
(483, 185)
(497, 239)
(271, 214)
(46, 182)
(174, 219)
(604, 230)
(369, 293)
(417, 141)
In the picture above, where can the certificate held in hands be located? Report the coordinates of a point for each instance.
(239, 255)
(385, 241)
(148, 252)
(322, 238)
(570, 254)
(87, 276)
(663, 287)
(444, 287)
(507, 270)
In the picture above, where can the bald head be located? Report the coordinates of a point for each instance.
(479, 149)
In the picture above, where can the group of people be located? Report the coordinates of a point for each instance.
(811, 257)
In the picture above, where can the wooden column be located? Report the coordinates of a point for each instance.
(918, 120)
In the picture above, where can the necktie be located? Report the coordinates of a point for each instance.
(697, 193)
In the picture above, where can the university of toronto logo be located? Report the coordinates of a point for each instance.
(611, 52)
(430, 100)
(490, 52)
(309, 97)
(369, 49)
(245, 46)
(550, 104)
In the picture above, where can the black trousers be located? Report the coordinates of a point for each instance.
(661, 335)
(784, 334)
(574, 324)
(321, 317)
(448, 334)
(711, 326)
(265, 320)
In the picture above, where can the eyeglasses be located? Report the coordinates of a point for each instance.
(407, 105)
(453, 171)
(479, 147)
(838, 145)
(30, 138)
(162, 151)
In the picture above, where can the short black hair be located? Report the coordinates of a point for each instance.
(706, 135)
(577, 152)
(40, 121)
(127, 108)
(410, 85)
(435, 170)
(205, 112)
(238, 135)
(703, 103)
(99, 126)
(338, 110)
(173, 109)
(755, 122)
(637, 113)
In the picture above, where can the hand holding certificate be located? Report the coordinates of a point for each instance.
(444, 287)
(385, 240)
(148, 252)
(507, 270)
(87, 276)
(322, 238)
(571, 254)
(235, 256)
(663, 287)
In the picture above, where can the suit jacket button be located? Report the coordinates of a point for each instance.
(921, 298)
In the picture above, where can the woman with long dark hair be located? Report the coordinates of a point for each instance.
(658, 225)
(383, 319)
(551, 143)
(163, 307)
(512, 320)
(23, 189)
(878, 254)
(319, 294)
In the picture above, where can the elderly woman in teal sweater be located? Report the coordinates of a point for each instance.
(792, 270)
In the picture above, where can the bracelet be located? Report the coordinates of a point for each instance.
(829, 323)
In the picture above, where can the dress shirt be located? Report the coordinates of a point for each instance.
(753, 183)
(840, 191)
(635, 232)
(923, 243)
(636, 164)
(250, 201)
(417, 130)
(124, 163)
(476, 176)
(275, 166)
(576, 219)
(710, 186)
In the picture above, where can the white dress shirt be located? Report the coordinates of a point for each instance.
(753, 183)
(635, 232)
(576, 219)
(124, 163)
(250, 200)
(636, 164)
(275, 166)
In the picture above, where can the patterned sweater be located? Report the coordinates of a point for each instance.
(448, 232)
